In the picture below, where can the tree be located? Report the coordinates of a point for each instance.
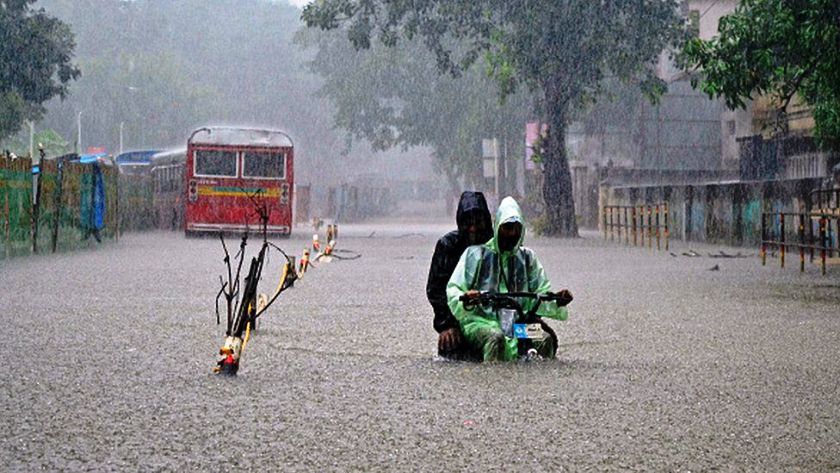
(779, 47)
(53, 143)
(562, 49)
(395, 97)
(164, 68)
(35, 63)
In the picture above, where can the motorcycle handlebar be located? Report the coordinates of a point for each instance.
(489, 296)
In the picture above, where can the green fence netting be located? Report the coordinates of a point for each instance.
(63, 214)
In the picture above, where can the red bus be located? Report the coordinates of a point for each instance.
(231, 169)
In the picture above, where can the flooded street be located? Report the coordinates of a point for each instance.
(716, 121)
(663, 364)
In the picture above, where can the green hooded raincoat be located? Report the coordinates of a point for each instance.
(486, 268)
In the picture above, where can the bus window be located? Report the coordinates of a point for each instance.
(264, 165)
(215, 163)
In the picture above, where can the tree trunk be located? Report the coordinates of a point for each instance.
(557, 184)
(454, 193)
(445, 164)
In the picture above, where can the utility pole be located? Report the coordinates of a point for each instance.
(31, 139)
(519, 170)
(79, 133)
(498, 157)
(121, 136)
(503, 170)
(36, 195)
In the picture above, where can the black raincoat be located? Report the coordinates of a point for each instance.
(447, 253)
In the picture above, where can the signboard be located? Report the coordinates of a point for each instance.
(489, 167)
(490, 152)
(490, 148)
(532, 133)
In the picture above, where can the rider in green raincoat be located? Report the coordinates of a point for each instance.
(501, 265)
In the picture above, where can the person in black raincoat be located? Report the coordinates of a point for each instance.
(474, 228)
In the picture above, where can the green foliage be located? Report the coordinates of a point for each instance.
(54, 144)
(779, 48)
(35, 52)
(539, 225)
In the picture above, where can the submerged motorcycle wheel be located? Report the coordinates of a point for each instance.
(228, 367)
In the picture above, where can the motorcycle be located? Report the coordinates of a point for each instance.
(526, 327)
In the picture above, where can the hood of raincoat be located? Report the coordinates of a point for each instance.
(473, 201)
(508, 212)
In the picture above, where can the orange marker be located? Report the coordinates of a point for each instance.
(304, 261)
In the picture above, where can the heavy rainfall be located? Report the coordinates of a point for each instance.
(442, 235)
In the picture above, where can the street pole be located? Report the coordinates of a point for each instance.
(31, 139)
(503, 166)
(498, 169)
(36, 196)
(121, 136)
(57, 201)
(519, 169)
(79, 133)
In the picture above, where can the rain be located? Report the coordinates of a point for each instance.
(278, 234)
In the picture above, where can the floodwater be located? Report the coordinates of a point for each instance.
(663, 365)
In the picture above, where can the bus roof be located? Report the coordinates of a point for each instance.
(139, 157)
(237, 136)
(169, 157)
(95, 158)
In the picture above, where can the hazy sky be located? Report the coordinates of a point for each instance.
(299, 3)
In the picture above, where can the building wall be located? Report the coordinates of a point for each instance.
(760, 117)
(682, 132)
(709, 13)
(725, 213)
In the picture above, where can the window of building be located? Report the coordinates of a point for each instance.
(694, 23)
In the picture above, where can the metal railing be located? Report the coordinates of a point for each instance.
(822, 199)
(815, 231)
(637, 222)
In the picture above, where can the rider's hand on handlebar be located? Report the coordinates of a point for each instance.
(470, 299)
(564, 297)
(472, 294)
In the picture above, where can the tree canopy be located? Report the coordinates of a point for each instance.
(776, 47)
(162, 68)
(562, 49)
(35, 63)
(395, 97)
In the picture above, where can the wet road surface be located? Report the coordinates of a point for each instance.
(663, 365)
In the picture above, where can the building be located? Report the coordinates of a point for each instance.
(758, 141)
